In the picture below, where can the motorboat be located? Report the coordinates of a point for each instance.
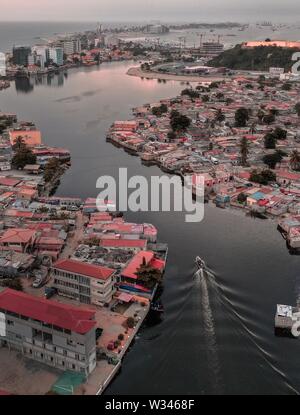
(200, 263)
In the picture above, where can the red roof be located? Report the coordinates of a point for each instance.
(288, 175)
(17, 236)
(7, 181)
(136, 262)
(51, 312)
(84, 269)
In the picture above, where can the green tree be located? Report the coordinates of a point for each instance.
(179, 122)
(171, 135)
(272, 159)
(270, 141)
(295, 160)
(264, 177)
(269, 118)
(260, 115)
(19, 143)
(242, 198)
(297, 108)
(241, 117)
(244, 150)
(158, 111)
(190, 92)
(23, 156)
(220, 117)
(53, 168)
(280, 133)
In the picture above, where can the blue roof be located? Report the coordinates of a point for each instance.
(258, 196)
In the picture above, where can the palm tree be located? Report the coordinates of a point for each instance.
(19, 143)
(295, 160)
(148, 276)
(220, 117)
(253, 128)
(244, 150)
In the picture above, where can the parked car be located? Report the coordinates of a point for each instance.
(50, 292)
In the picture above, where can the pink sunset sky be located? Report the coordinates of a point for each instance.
(131, 10)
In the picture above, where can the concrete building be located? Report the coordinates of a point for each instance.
(71, 46)
(21, 54)
(157, 29)
(41, 50)
(56, 334)
(35, 59)
(211, 48)
(57, 55)
(86, 283)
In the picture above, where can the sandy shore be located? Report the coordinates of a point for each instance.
(136, 71)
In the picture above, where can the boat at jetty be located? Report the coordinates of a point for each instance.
(157, 307)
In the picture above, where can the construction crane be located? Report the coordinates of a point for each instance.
(182, 38)
(201, 36)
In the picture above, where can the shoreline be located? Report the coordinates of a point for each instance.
(137, 72)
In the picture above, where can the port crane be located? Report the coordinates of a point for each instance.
(182, 39)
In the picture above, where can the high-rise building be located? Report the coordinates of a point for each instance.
(71, 46)
(56, 55)
(42, 50)
(20, 55)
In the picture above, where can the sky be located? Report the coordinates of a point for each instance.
(145, 10)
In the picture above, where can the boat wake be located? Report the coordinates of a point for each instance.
(201, 277)
(266, 356)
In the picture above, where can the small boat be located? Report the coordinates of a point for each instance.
(157, 306)
(200, 263)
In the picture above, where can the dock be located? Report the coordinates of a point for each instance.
(287, 321)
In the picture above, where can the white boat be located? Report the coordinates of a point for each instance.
(200, 263)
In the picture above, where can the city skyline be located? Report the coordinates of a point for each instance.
(133, 10)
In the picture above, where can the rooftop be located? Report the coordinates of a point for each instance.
(84, 269)
(50, 312)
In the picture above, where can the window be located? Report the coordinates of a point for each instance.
(57, 328)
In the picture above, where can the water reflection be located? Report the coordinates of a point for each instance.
(26, 84)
